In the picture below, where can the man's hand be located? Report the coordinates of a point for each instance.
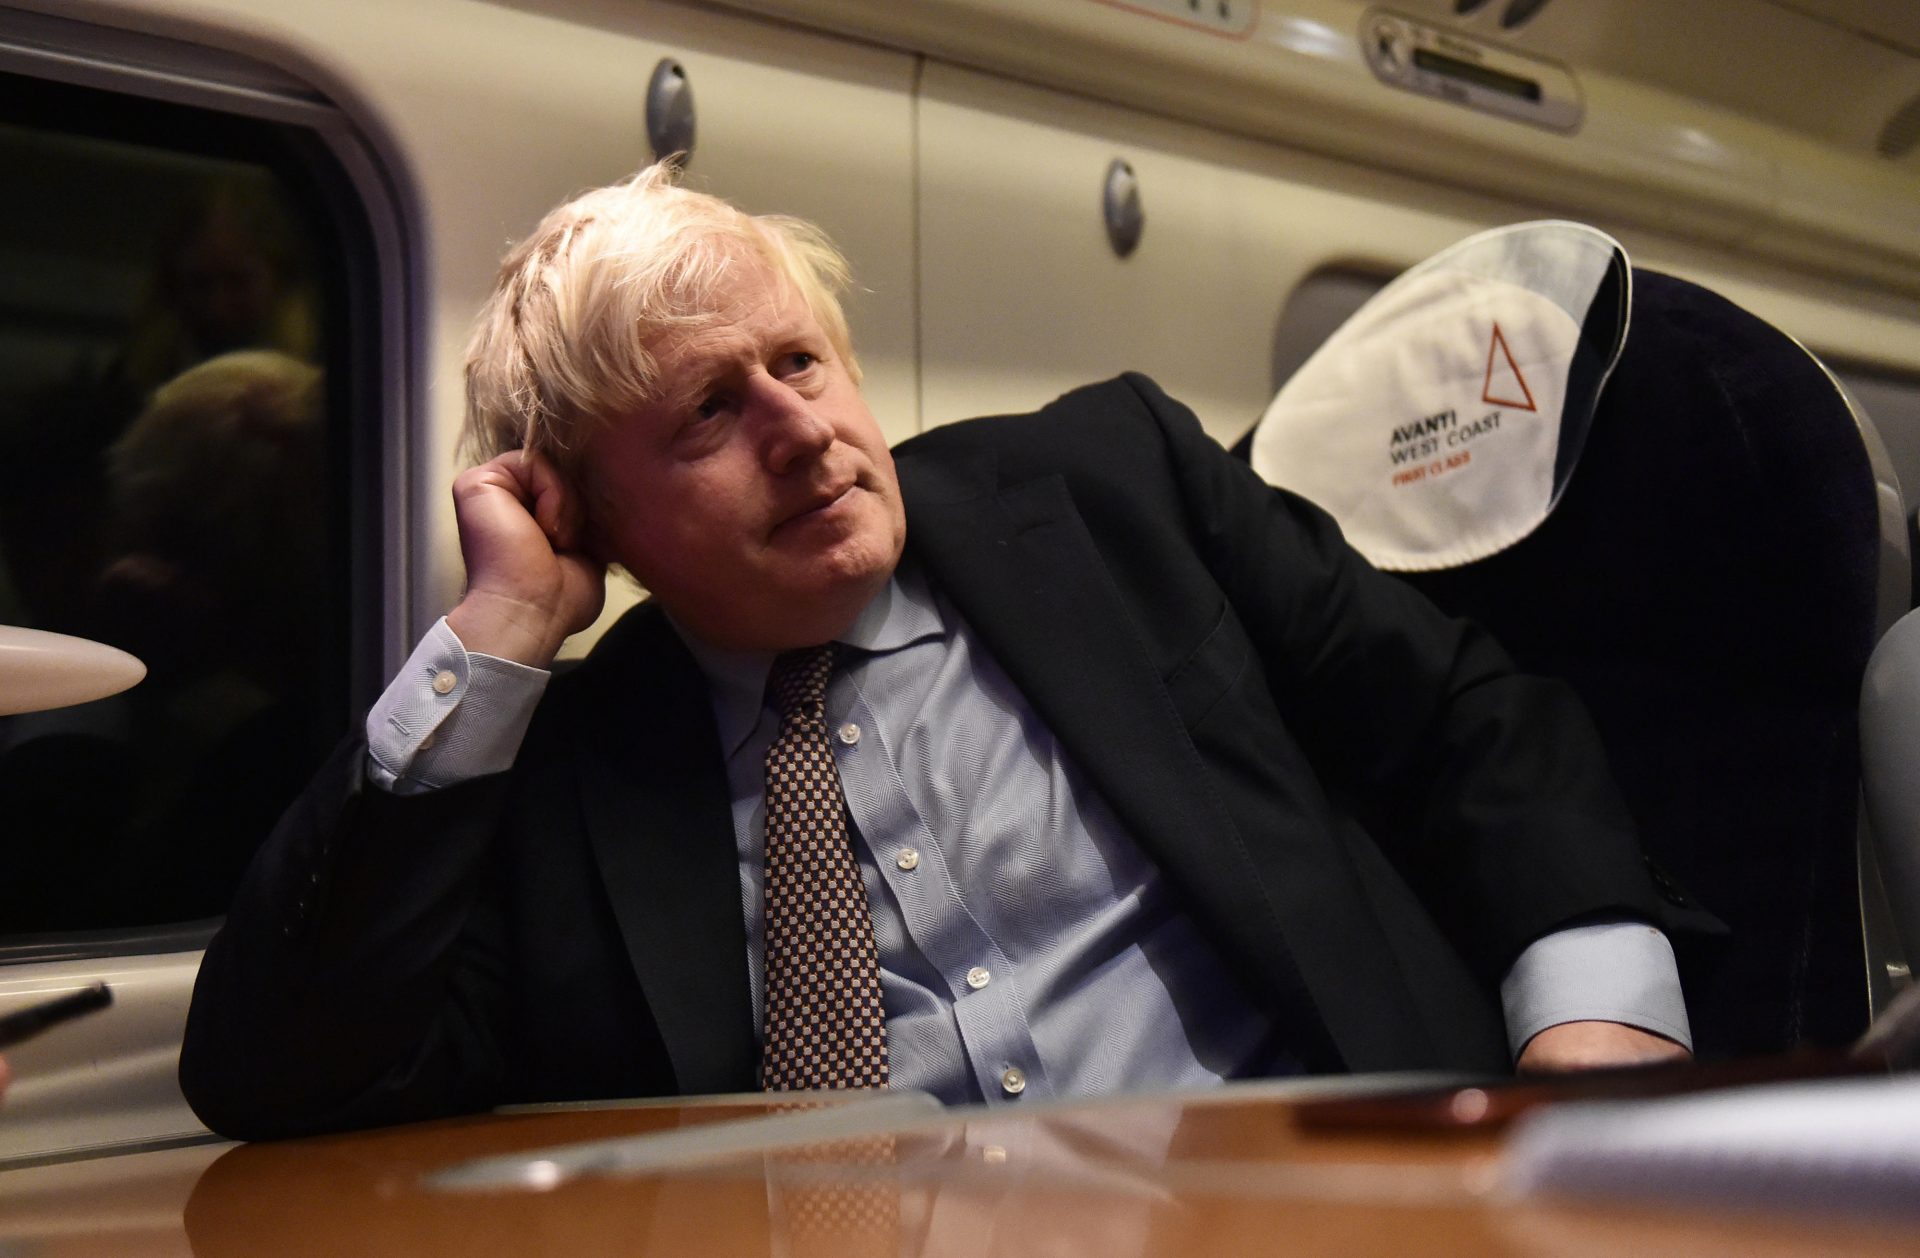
(1594, 1045)
(530, 582)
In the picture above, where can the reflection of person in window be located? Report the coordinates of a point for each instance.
(217, 535)
(229, 272)
(218, 502)
(228, 275)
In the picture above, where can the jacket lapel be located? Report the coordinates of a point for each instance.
(1019, 562)
(654, 797)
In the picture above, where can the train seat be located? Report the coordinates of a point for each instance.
(1700, 534)
(1889, 753)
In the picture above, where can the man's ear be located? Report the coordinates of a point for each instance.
(595, 509)
(593, 536)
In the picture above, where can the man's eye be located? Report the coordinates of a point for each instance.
(711, 407)
(799, 361)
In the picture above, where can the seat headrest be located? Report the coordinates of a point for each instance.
(1441, 423)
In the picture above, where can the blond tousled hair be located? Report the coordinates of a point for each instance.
(563, 344)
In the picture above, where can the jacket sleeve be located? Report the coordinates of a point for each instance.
(359, 978)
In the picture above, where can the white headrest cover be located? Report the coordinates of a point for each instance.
(1436, 425)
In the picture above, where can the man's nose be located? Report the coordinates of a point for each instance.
(792, 431)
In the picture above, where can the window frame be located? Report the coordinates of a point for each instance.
(369, 314)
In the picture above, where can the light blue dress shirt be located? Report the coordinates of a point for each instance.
(1028, 948)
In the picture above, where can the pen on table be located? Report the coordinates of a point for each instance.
(24, 1024)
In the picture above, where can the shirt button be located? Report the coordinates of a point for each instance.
(907, 859)
(849, 733)
(978, 977)
(1013, 1081)
(444, 681)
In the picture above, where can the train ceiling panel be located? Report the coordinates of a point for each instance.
(1785, 128)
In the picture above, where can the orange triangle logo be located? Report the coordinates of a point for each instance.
(1498, 356)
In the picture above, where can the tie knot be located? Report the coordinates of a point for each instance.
(798, 683)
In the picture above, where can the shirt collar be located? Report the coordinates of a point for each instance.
(902, 613)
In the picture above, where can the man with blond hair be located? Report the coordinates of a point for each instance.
(1135, 775)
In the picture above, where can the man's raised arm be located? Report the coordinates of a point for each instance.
(357, 977)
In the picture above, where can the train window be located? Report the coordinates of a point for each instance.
(177, 385)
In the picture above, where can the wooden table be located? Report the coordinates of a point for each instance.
(1211, 1176)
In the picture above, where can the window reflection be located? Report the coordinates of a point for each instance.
(171, 490)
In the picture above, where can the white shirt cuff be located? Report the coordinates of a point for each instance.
(1615, 970)
(451, 715)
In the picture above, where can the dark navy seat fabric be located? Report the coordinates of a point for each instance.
(1707, 584)
(1890, 774)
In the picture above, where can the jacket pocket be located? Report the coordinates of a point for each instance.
(1213, 667)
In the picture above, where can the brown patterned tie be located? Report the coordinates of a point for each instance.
(825, 1026)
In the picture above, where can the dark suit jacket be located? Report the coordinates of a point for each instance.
(1360, 801)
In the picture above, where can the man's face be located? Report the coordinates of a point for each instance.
(756, 499)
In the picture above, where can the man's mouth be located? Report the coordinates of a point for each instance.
(820, 505)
